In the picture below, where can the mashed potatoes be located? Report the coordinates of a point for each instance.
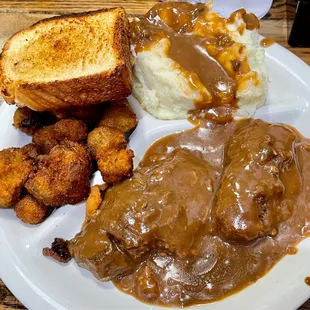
(164, 90)
(252, 94)
(161, 87)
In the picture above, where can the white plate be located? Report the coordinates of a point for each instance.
(41, 283)
(225, 7)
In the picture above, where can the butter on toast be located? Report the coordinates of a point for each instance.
(71, 60)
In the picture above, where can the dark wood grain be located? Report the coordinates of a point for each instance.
(278, 10)
(305, 306)
(66, 6)
(7, 300)
(15, 14)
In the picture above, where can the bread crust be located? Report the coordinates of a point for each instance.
(108, 85)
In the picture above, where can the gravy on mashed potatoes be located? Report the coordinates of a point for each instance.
(188, 57)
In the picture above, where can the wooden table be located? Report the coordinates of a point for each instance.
(16, 14)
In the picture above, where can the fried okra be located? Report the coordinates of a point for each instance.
(119, 115)
(30, 211)
(31, 151)
(15, 167)
(94, 200)
(62, 176)
(103, 139)
(89, 114)
(29, 121)
(116, 165)
(108, 146)
(66, 129)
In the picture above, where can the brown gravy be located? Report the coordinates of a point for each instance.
(208, 212)
(267, 42)
(291, 250)
(250, 19)
(221, 86)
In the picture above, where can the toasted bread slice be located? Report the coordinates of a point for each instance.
(71, 60)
